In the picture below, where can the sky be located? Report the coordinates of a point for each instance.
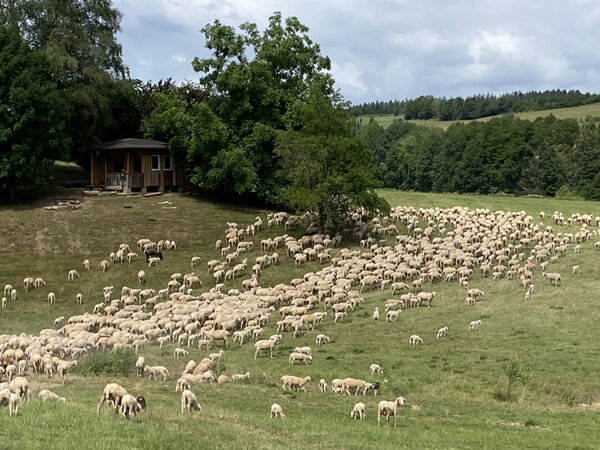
(391, 49)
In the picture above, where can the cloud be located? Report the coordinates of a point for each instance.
(388, 49)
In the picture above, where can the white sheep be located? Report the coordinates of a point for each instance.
(376, 313)
(299, 357)
(376, 368)
(10, 399)
(474, 326)
(276, 411)
(141, 276)
(131, 256)
(240, 376)
(131, 405)
(576, 269)
(264, 344)
(46, 395)
(140, 365)
(195, 260)
(3, 302)
(358, 412)
(305, 350)
(104, 265)
(72, 274)
(189, 401)
(414, 340)
(51, 297)
(180, 352)
(387, 409)
(182, 384)
(79, 298)
(86, 264)
(321, 339)
(155, 371)
(13, 295)
(322, 385)
(392, 315)
(294, 383)
(7, 289)
(113, 393)
(442, 332)
(337, 386)
(216, 357)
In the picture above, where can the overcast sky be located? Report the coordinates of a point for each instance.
(391, 49)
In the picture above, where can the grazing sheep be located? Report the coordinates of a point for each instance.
(195, 260)
(189, 401)
(264, 344)
(299, 357)
(576, 269)
(13, 295)
(392, 315)
(113, 393)
(442, 332)
(10, 399)
(104, 265)
(358, 412)
(321, 339)
(131, 405)
(240, 376)
(72, 274)
(294, 383)
(474, 326)
(131, 256)
(140, 365)
(141, 276)
(7, 289)
(155, 371)
(216, 357)
(353, 384)
(553, 278)
(376, 368)
(322, 385)
(470, 301)
(376, 313)
(3, 302)
(387, 409)
(276, 411)
(46, 395)
(372, 387)
(153, 261)
(414, 340)
(182, 384)
(305, 350)
(79, 298)
(51, 297)
(180, 352)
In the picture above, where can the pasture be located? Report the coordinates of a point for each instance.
(454, 385)
(576, 112)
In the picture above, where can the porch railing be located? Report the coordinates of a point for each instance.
(125, 179)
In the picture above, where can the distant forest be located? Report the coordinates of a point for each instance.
(428, 107)
(547, 156)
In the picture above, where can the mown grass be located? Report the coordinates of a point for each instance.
(451, 383)
(577, 112)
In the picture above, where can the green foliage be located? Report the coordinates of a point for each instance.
(103, 363)
(32, 114)
(515, 372)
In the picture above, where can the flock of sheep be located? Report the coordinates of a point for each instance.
(441, 245)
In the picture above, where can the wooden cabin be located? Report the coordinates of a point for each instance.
(135, 165)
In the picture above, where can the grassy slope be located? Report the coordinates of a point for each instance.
(578, 112)
(453, 381)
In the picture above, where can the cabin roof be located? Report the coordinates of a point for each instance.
(133, 143)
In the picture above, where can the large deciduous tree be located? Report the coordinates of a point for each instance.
(31, 115)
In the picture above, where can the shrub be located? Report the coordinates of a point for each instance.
(119, 364)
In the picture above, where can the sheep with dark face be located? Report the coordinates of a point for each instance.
(152, 253)
(131, 405)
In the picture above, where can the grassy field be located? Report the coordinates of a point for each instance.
(453, 385)
(578, 112)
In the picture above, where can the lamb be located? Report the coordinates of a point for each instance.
(141, 277)
(392, 315)
(264, 344)
(358, 411)
(79, 298)
(474, 326)
(72, 274)
(11, 399)
(180, 352)
(294, 383)
(195, 260)
(113, 393)
(189, 401)
(131, 256)
(305, 350)
(372, 387)
(387, 409)
(442, 332)
(277, 411)
(140, 365)
(131, 405)
(153, 261)
(8, 288)
(216, 357)
(155, 371)
(104, 265)
(475, 293)
(321, 339)
(182, 384)
(353, 384)
(414, 340)
(46, 395)
(299, 357)
(240, 376)
(51, 297)
(322, 385)
(553, 278)
(576, 269)
(13, 295)
(376, 368)
(3, 302)
(376, 314)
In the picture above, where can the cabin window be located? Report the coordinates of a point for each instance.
(155, 164)
(167, 163)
